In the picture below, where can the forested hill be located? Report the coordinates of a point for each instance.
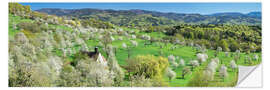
(143, 17)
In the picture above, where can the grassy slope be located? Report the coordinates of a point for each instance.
(185, 52)
(15, 20)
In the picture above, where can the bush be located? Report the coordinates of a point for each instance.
(69, 77)
(223, 72)
(185, 71)
(21, 38)
(116, 69)
(171, 74)
(140, 81)
(150, 66)
(202, 57)
(33, 27)
(199, 79)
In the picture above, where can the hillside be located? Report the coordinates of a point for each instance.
(134, 16)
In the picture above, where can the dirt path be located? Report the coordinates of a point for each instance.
(249, 76)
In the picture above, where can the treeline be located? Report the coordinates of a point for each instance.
(229, 37)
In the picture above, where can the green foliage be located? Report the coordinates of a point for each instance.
(224, 45)
(142, 18)
(115, 67)
(140, 81)
(150, 66)
(199, 79)
(229, 37)
(78, 57)
(18, 9)
(185, 71)
(33, 27)
(96, 23)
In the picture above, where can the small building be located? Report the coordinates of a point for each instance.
(96, 55)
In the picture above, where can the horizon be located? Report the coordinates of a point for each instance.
(187, 8)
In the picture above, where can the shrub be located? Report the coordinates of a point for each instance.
(182, 62)
(27, 74)
(255, 57)
(227, 54)
(223, 72)
(133, 36)
(94, 73)
(140, 81)
(233, 65)
(69, 77)
(134, 43)
(194, 63)
(21, 38)
(124, 45)
(149, 66)
(216, 60)
(112, 38)
(199, 79)
(185, 71)
(33, 27)
(171, 74)
(116, 69)
(120, 38)
(171, 58)
(219, 49)
(202, 57)
(224, 45)
(174, 64)
(212, 66)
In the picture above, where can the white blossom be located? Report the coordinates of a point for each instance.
(256, 57)
(112, 38)
(219, 49)
(223, 71)
(56, 64)
(202, 57)
(84, 47)
(28, 49)
(126, 34)
(134, 43)
(133, 36)
(194, 63)
(171, 58)
(182, 62)
(227, 54)
(21, 38)
(174, 64)
(212, 66)
(170, 73)
(209, 74)
(147, 37)
(233, 64)
(124, 45)
(216, 60)
(120, 38)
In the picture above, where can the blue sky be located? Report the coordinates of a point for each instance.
(201, 8)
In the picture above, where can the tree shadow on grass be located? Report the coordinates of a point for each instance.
(180, 77)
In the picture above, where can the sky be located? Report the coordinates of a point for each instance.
(198, 8)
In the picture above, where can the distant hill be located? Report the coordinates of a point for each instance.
(139, 17)
(255, 14)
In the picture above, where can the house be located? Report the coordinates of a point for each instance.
(96, 55)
